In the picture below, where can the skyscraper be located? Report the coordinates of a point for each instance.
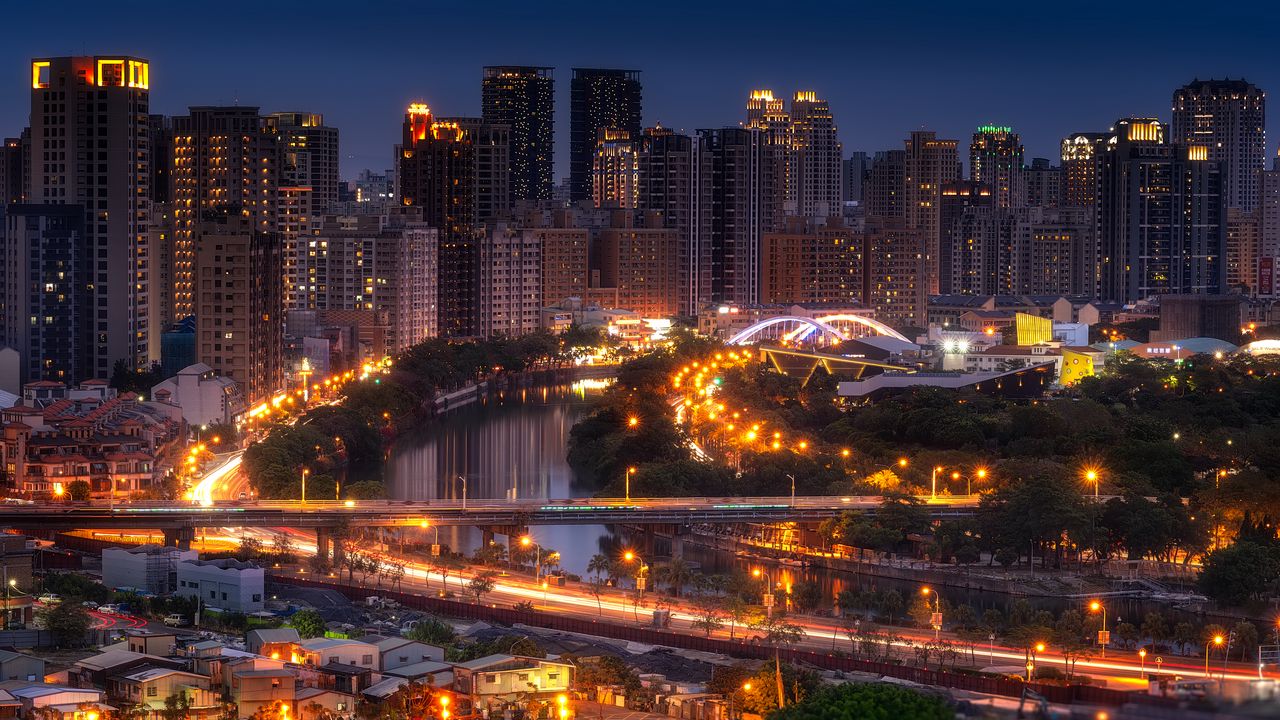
(522, 98)
(817, 153)
(1228, 117)
(1043, 183)
(239, 306)
(886, 184)
(492, 178)
(310, 155)
(224, 158)
(436, 168)
(929, 164)
(615, 176)
(1161, 215)
(736, 202)
(812, 261)
(954, 246)
(995, 158)
(47, 297)
(510, 281)
(856, 167)
(598, 99)
(97, 107)
(13, 170)
(666, 162)
(1080, 153)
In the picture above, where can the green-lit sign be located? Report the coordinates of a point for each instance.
(995, 129)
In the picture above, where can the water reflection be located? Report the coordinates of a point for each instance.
(510, 445)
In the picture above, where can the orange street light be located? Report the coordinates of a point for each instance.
(902, 462)
(633, 421)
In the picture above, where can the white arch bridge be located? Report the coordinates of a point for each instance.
(823, 330)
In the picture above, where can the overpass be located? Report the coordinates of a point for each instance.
(483, 513)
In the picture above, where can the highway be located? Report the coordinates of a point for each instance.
(504, 513)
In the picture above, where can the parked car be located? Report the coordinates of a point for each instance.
(176, 620)
(89, 605)
(109, 609)
(50, 598)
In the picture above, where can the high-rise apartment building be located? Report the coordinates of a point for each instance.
(812, 261)
(817, 154)
(640, 260)
(856, 167)
(1080, 153)
(598, 98)
(615, 171)
(1054, 249)
(1161, 215)
(885, 193)
(1269, 230)
(47, 297)
(769, 115)
(239, 306)
(310, 155)
(1243, 250)
(893, 284)
(492, 177)
(1228, 118)
(523, 99)
(13, 170)
(224, 159)
(736, 202)
(375, 272)
(90, 148)
(995, 158)
(510, 281)
(565, 250)
(666, 163)
(929, 164)
(954, 251)
(436, 169)
(1043, 183)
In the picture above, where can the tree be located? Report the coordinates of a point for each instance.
(69, 622)
(308, 623)
(778, 632)
(596, 588)
(1128, 633)
(481, 584)
(867, 701)
(676, 573)
(1155, 627)
(1235, 574)
(78, 490)
(600, 565)
(432, 631)
(176, 706)
(1184, 635)
(708, 616)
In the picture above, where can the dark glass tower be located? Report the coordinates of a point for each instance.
(522, 98)
(598, 99)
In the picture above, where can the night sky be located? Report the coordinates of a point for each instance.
(1047, 69)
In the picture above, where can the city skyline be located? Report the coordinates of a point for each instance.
(698, 80)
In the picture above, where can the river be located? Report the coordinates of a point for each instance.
(512, 444)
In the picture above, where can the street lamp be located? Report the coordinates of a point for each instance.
(1142, 657)
(1104, 637)
(1091, 475)
(936, 619)
(767, 597)
(525, 542)
(630, 556)
(982, 475)
(746, 687)
(1217, 640)
(630, 471)
(792, 478)
(305, 473)
(463, 480)
(1031, 660)
(633, 421)
(933, 482)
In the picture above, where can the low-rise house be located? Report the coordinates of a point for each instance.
(272, 642)
(57, 702)
(497, 682)
(396, 652)
(10, 706)
(329, 651)
(314, 703)
(148, 642)
(350, 679)
(152, 687)
(58, 435)
(228, 585)
(435, 674)
(93, 671)
(18, 666)
(201, 396)
(252, 689)
(149, 568)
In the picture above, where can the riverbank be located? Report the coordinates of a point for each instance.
(461, 397)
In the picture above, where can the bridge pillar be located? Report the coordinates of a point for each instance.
(324, 540)
(677, 542)
(179, 537)
(486, 537)
(339, 552)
